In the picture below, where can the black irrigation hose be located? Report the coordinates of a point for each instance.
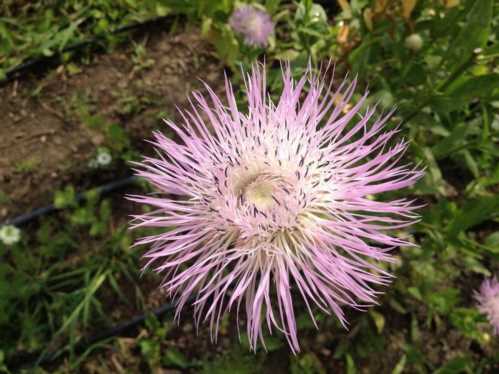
(30, 359)
(25, 67)
(25, 359)
(106, 188)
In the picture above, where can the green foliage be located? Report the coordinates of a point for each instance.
(307, 363)
(27, 165)
(473, 35)
(235, 361)
(55, 292)
(36, 29)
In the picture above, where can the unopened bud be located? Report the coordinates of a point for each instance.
(414, 42)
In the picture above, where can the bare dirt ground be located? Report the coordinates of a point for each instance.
(51, 127)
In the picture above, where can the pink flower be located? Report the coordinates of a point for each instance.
(273, 203)
(488, 301)
(254, 24)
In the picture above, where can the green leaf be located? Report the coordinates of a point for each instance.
(473, 35)
(307, 363)
(350, 365)
(73, 69)
(433, 182)
(473, 212)
(443, 301)
(236, 361)
(415, 292)
(117, 136)
(379, 320)
(359, 58)
(177, 358)
(455, 366)
(273, 343)
(471, 163)
(491, 51)
(65, 198)
(466, 320)
(471, 87)
(161, 10)
(454, 141)
(151, 350)
(464, 89)
(89, 293)
(415, 330)
(400, 366)
(492, 242)
(227, 45)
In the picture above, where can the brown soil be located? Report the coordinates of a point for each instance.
(52, 126)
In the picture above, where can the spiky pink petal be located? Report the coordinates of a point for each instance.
(488, 301)
(273, 203)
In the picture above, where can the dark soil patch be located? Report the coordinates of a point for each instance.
(52, 127)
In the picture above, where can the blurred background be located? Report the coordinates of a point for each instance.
(84, 82)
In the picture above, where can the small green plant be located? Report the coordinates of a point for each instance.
(27, 165)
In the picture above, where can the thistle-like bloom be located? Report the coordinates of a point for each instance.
(488, 301)
(253, 24)
(274, 203)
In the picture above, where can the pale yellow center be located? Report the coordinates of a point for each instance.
(259, 193)
(253, 23)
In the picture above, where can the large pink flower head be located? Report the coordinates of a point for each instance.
(253, 24)
(274, 203)
(488, 301)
